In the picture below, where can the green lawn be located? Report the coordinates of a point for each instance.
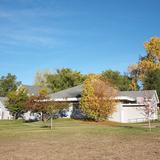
(78, 140)
(9, 128)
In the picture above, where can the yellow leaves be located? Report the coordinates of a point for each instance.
(21, 89)
(97, 96)
(43, 91)
(133, 85)
(149, 62)
(153, 47)
(146, 65)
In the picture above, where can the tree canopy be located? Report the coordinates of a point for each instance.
(64, 78)
(97, 98)
(16, 102)
(42, 103)
(122, 82)
(150, 61)
(8, 83)
(152, 80)
(147, 69)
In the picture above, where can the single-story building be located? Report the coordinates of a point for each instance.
(130, 106)
(128, 109)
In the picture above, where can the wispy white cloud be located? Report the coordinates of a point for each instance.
(37, 26)
(26, 27)
(4, 14)
(35, 41)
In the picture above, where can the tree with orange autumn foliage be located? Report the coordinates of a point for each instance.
(97, 100)
(150, 61)
(44, 105)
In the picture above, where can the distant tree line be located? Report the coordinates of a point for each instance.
(66, 78)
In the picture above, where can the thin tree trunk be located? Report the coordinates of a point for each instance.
(16, 116)
(51, 123)
(149, 123)
(44, 119)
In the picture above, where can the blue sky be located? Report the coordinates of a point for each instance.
(85, 35)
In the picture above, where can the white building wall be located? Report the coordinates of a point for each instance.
(117, 116)
(127, 113)
(4, 113)
(134, 114)
(69, 111)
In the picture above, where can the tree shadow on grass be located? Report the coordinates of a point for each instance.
(45, 126)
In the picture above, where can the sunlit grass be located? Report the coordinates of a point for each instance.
(69, 126)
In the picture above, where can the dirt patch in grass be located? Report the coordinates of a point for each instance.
(81, 147)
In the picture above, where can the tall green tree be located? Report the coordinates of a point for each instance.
(152, 80)
(16, 102)
(8, 83)
(63, 79)
(122, 82)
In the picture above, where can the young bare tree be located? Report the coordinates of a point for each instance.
(98, 98)
(148, 110)
(54, 107)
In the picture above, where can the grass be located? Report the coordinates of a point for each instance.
(78, 140)
(8, 127)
